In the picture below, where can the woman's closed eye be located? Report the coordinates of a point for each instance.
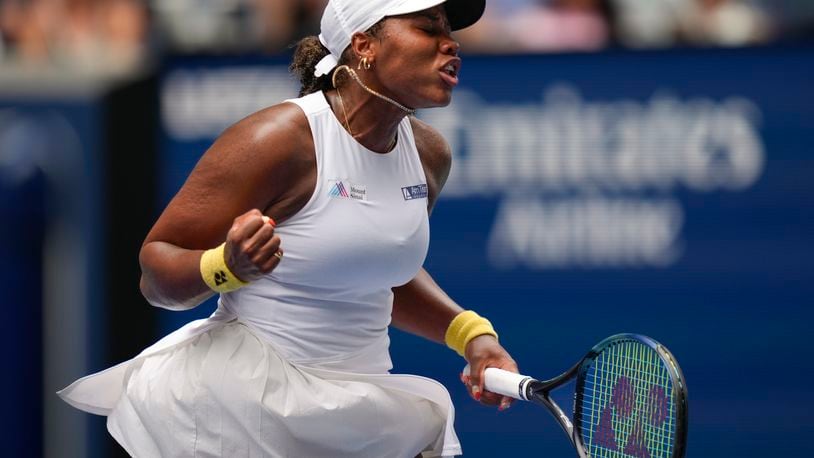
(434, 25)
(431, 29)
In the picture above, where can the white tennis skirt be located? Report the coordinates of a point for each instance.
(216, 389)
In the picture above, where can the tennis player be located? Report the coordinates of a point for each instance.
(310, 219)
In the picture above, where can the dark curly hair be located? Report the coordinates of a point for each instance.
(309, 51)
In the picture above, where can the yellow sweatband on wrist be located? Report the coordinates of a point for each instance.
(465, 327)
(216, 273)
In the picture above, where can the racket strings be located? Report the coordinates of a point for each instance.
(626, 404)
(622, 402)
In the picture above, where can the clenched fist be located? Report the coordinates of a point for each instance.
(252, 249)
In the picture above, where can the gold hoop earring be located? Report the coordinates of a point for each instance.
(365, 63)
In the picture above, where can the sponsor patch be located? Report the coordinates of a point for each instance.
(418, 191)
(347, 190)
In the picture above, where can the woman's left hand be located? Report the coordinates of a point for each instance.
(482, 352)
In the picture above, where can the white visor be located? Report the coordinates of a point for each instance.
(342, 18)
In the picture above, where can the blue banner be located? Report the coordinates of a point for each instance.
(662, 193)
(51, 262)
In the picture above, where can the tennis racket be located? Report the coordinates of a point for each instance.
(630, 399)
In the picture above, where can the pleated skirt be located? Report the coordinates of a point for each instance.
(226, 392)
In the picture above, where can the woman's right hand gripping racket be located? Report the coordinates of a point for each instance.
(630, 400)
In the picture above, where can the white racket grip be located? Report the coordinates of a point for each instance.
(506, 383)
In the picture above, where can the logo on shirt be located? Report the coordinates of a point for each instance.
(347, 190)
(418, 191)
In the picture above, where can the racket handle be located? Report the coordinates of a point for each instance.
(506, 383)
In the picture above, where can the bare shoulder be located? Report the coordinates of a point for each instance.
(436, 157)
(264, 161)
(276, 133)
(260, 155)
(431, 144)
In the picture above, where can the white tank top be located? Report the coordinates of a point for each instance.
(364, 230)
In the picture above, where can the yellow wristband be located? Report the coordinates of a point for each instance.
(216, 273)
(465, 327)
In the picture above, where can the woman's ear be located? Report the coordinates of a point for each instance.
(363, 46)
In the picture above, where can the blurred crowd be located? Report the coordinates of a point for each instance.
(116, 35)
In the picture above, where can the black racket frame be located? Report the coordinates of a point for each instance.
(540, 391)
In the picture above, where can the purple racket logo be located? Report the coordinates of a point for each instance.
(659, 405)
(623, 397)
(630, 415)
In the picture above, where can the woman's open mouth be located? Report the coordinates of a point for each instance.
(449, 72)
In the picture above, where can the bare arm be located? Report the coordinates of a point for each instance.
(260, 166)
(421, 307)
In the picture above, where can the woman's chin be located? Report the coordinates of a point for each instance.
(437, 100)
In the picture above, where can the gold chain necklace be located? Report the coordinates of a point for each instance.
(383, 97)
(409, 111)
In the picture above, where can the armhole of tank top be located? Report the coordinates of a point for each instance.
(317, 158)
(407, 124)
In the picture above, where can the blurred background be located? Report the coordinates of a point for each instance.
(620, 166)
